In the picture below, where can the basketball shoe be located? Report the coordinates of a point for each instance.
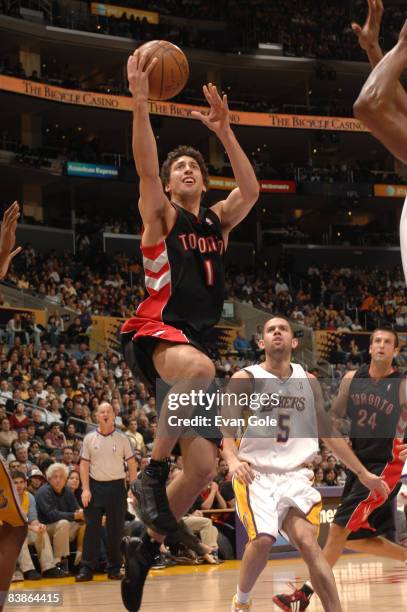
(139, 557)
(150, 491)
(296, 602)
(239, 607)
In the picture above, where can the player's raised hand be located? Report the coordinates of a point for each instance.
(8, 238)
(375, 484)
(138, 72)
(368, 34)
(217, 118)
(241, 470)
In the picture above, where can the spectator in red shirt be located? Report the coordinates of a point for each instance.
(54, 438)
(19, 418)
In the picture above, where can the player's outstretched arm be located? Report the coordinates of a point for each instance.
(340, 448)
(368, 34)
(8, 238)
(153, 201)
(382, 103)
(238, 204)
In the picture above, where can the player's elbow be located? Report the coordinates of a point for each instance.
(369, 104)
(252, 194)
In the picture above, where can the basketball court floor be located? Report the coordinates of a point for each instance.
(365, 584)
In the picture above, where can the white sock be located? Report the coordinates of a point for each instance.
(242, 597)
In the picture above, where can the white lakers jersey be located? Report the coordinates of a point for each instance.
(282, 435)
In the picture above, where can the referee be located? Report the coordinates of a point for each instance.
(104, 452)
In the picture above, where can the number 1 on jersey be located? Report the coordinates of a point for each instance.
(208, 272)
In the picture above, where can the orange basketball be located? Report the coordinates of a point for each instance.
(171, 72)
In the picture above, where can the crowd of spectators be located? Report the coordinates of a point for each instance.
(318, 30)
(323, 298)
(331, 298)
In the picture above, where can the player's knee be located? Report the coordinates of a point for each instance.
(307, 544)
(337, 533)
(205, 474)
(263, 544)
(201, 368)
(201, 471)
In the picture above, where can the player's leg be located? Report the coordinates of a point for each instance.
(337, 537)
(182, 366)
(186, 367)
(379, 546)
(199, 468)
(303, 495)
(256, 508)
(304, 536)
(254, 561)
(375, 542)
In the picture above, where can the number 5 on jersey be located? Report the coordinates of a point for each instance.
(283, 425)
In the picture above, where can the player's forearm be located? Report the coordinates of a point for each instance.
(242, 168)
(375, 54)
(229, 450)
(344, 453)
(144, 143)
(382, 88)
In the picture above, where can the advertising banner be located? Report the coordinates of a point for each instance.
(390, 191)
(278, 186)
(172, 109)
(110, 10)
(98, 171)
(227, 184)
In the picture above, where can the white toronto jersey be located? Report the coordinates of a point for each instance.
(293, 440)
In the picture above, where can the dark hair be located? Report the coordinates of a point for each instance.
(78, 492)
(328, 470)
(180, 152)
(18, 474)
(388, 329)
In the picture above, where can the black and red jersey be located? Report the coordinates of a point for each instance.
(184, 275)
(374, 411)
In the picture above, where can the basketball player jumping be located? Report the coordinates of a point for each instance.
(183, 247)
(13, 523)
(273, 489)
